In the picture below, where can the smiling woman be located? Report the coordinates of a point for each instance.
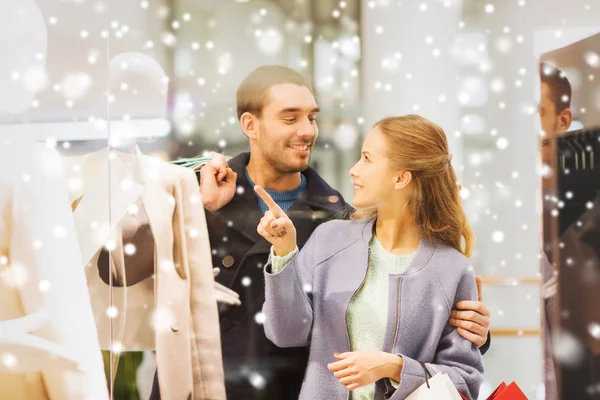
(402, 252)
(419, 148)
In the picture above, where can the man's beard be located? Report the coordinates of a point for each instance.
(283, 167)
(276, 158)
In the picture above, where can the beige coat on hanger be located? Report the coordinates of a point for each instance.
(180, 300)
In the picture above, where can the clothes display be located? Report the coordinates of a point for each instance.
(48, 341)
(576, 238)
(127, 203)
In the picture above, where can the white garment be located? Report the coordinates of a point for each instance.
(41, 279)
(89, 176)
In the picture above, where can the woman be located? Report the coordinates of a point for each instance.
(372, 296)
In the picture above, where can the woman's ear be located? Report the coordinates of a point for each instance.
(403, 180)
(249, 124)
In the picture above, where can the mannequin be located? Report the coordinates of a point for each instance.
(48, 340)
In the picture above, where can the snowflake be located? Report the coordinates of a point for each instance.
(567, 349)
(44, 285)
(257, 380)
(9, 361)
(259, 318)
(129, 249)
(498, 236)
(594, 330)
(112, 312)
(59, 232)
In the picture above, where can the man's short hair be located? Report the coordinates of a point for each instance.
(254, 90)
(559, 85)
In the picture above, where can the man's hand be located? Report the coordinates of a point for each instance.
(473, 319)
(360, 368)
(276, 226)
(217, 183)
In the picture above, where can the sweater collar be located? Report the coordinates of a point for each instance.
(421, 257)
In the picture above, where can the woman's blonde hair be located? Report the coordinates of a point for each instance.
(419, 146)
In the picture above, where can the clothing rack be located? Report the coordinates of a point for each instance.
(577, 237)
(579, 150)
(578, 174)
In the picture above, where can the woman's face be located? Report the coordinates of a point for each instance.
(374, 181)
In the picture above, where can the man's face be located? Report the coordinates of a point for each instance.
(553, 123)
(548, 115)
(287, 128)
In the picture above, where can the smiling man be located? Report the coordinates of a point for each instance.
(277, 112)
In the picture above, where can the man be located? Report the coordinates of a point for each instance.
(555, 102)
(277, 112)
(556, 117)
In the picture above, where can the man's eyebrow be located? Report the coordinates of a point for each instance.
(297, 109)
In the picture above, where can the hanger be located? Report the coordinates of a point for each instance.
(589, 147)
(575, 153)
(581, 151)
(595, 139)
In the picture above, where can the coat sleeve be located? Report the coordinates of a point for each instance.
(486, 346)
(455, 356)
(207, 362)
(288, 308)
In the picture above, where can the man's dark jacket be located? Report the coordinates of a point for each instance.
(254, 367)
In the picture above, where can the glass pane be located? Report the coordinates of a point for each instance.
(52, 113)
(569, 116)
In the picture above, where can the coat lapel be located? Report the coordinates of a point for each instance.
(92, 175)
(155, 198)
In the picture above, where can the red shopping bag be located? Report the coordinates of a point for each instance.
(508, 392)
(504, 392)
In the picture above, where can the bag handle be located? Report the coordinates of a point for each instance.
(427, 374)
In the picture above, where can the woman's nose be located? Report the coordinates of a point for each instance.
(352, 171)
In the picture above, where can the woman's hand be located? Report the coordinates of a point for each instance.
(360, 368)
(276, 226)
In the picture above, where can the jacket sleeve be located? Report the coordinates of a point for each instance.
(207, 362)
(486, 346)
(288, 308)
(455, 356)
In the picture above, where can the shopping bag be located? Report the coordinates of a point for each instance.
(498, 390)
(507, 392)
(436, 387)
